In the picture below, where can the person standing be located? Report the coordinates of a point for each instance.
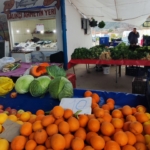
(133, 37)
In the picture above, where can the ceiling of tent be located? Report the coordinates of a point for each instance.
(134, 12)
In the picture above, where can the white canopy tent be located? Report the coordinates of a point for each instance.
(134, 12)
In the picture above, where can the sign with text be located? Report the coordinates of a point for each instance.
(25, 9)
(76, 104)
(27, 15)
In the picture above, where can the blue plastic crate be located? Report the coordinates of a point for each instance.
(104, 41)
(29, 103)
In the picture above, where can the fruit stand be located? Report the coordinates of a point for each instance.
(42, 108)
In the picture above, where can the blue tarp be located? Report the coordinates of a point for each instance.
(29, 103)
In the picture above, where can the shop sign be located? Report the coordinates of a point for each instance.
(25, 9)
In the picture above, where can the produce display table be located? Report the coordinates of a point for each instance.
(74, 62)
(29, 103)
(19, 71)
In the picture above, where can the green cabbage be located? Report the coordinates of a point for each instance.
(55, 71)
(39, 86)
(60, 87)
(22, 84)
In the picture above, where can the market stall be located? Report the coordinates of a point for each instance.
(118, 55)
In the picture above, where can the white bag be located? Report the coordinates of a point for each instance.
(6, 60)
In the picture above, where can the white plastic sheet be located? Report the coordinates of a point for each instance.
(134, 12)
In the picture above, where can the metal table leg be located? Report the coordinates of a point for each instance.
(116, 75)
(119, 70)
(87, 68)
(74, 70)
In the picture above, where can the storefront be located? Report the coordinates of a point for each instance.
(43, 24)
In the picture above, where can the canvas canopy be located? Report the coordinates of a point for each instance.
(134, 12)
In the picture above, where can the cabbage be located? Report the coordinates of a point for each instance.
(22, 84)
(60, 87)
(39, 86)
(55, 71)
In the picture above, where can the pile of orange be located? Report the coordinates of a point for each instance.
(105, 129)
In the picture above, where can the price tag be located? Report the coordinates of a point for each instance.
(76, 104)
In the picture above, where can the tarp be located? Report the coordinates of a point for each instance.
(130, 11)
(29, 103)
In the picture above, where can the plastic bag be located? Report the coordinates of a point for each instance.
(6, 60)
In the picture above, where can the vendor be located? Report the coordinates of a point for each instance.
(133, 37)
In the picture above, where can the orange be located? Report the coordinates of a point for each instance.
(136, 127)
(97, 142)
(93, 125)
(68, 113)
(106, 107)
(30, 145)
(25, 116)
(58, 142)
(96, 97)
(63, 127)
(130, 118)
(107, 128)
(37, 125)
(140, 138)
(39, 117)
(131, 138)
(140, 146)
(117, 113)
(40, 136)
(47, 120)
(112, 145)
(99, 112)
(107, 117)
(40, 112)
(89, 135)
(88, 94)
(40, 147)
(81, 133)
(94, 105)
(126, 126)
(117, 123)
(141, 108)
(77, 144)
(121, 138)
(126, 110)
(57, 121)
(106, 138)
(47, 142)
(26, 129)
(134, 110)
(88, 148)
(52, 129)
(58, 112)
(73, 124)
(83, 120)
(68, 138)
(111, 106)
(141, 117)
(31, 137)
(110, 100)
(128, 147)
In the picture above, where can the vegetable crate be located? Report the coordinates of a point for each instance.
(135, 71)
(139, 85)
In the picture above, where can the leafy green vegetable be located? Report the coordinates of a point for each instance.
(60, 87)
(101, 24)
(55, 71)
(23, 83)
(39, 86)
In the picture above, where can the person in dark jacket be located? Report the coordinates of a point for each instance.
(133, 37)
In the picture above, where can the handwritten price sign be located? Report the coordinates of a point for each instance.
(77, 104)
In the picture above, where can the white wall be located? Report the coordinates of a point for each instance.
(75, 35)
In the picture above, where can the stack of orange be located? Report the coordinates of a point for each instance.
(105, 129)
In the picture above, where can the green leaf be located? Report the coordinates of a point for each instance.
(77, 113)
